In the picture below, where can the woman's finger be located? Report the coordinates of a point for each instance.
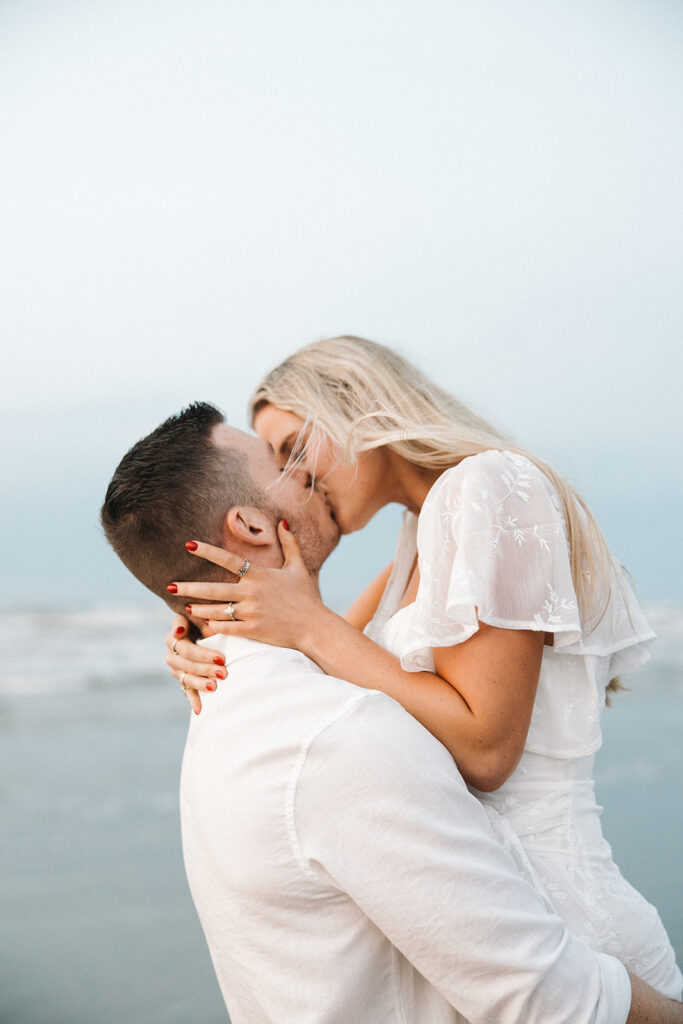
(200, 656)
(180, 626)
(194, 699)
(228, 612)
(229, 628)
(192, 685)
(290, 545)
(206, 591)
(191, 694)
(219, 556)
(204, 676)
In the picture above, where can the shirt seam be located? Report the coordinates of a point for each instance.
(401, 1017)
(297, 771)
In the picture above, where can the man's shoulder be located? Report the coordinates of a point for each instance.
(321, 724)
(367, 739)
(290, 695)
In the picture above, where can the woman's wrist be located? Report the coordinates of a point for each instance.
(319, 625)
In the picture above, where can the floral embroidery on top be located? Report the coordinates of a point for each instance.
(492, 547)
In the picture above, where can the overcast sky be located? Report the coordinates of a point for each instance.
(189, 191)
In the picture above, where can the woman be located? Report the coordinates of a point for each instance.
(500, 625)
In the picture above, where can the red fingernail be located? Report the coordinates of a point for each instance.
(172, 588)
(285, 524)
(196, 712)
(192, 545)
(211, 686)
(180, 630)
(219, 660)
(220, 674)
(188, 609)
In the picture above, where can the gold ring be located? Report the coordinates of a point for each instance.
(230, 611)
(182, 680)
(173, 646)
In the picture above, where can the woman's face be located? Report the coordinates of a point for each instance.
(354, 493)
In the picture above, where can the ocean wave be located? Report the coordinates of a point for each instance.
(48, 651)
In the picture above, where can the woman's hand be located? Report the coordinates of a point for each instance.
(198, 668)
(278, 606)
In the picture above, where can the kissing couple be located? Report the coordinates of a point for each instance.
(391, 816)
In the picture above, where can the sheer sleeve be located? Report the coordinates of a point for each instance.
(493, 547)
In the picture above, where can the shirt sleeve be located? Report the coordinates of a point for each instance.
(381, 814)
(492, 546)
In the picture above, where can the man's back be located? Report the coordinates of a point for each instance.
(324, 830)
(285, 945)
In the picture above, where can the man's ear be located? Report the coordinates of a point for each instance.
(248, 525)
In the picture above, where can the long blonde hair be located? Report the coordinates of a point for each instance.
(361, 396)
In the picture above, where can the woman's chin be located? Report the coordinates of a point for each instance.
(352, 524)
(351, 519)
(345, 528)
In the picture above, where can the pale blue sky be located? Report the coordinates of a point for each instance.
(190, 191)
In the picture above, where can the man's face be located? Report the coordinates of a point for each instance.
(304, 508)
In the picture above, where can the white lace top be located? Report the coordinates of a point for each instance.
(492, 545)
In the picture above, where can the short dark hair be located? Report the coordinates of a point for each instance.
(173, 485)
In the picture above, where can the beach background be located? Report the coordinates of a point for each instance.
(187, 194)
(97, 922)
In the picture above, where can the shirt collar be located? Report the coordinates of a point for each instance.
(233, 648)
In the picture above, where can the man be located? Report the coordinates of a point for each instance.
(341, 870)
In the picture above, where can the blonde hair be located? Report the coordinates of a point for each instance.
(362, 396)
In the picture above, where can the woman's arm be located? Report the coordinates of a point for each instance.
(366, 604)
(478, 703)
(650, 1007)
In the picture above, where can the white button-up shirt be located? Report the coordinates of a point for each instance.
(343, 873)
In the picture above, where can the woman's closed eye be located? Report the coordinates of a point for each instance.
(296, 449)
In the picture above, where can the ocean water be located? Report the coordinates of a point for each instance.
(97, 925)
(43, 651)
